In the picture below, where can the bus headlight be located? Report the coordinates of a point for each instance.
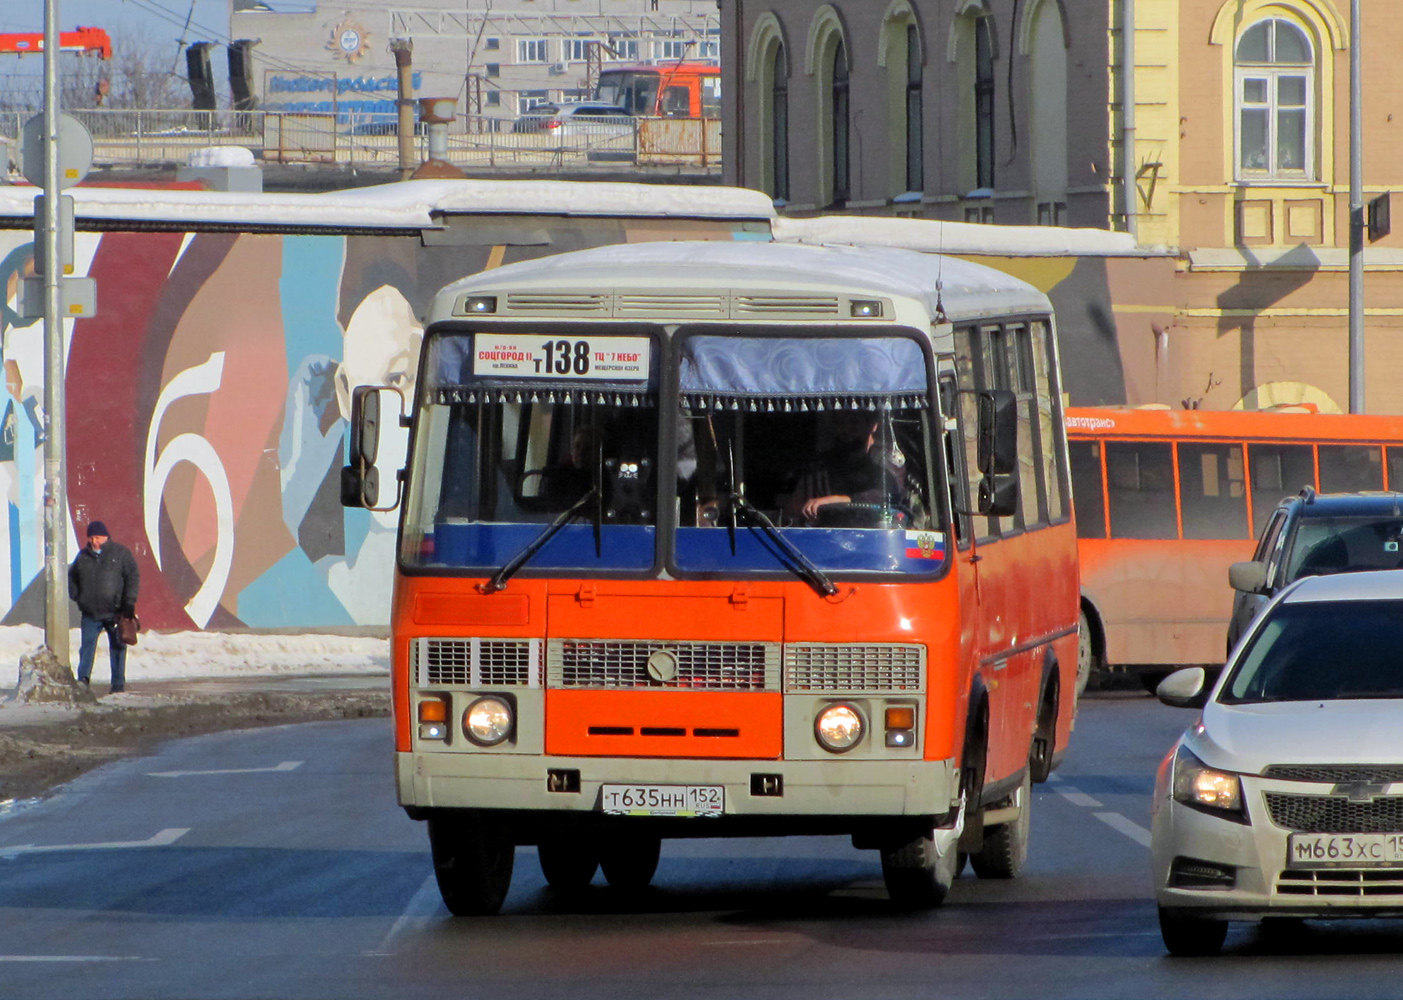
(838, 728)
(488, 721)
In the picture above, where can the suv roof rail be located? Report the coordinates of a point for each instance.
(1308, 494)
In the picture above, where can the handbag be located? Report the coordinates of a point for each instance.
(127, 628)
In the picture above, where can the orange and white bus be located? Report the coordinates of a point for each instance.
(1167, 500)
(731, 539)
(665, 90)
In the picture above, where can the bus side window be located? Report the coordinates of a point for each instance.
(1277, 471)
(1141, 493)
(1395, 467)
(954, 474)
(1048, 424)
(1348, 468)
(1212, 491)
(1088, 497)
(677, 102)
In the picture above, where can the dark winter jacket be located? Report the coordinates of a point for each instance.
(104, 584)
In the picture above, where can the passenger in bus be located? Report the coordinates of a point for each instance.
(856, 468)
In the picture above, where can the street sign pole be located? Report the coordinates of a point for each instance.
(55, 440)
(1356, 216)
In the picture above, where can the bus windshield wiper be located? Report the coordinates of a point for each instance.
(802, 567)
(500, 578)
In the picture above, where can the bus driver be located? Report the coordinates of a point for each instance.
(861, 466)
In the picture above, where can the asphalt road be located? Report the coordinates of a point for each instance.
(273, 863)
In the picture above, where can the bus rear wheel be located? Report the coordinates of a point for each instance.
(1086, 653)
(919, 873)
(630, 862)
(567, 864)
(473, 861)
(1005, 848)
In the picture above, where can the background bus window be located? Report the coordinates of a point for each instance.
(1278, 471)
(1347, 468)
(1395, 468)
(1047, 426)
(1213, 491)
(1088, 501)
(1141, 493)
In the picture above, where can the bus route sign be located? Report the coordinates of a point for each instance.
(543, 356)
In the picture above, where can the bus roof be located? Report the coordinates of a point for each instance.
(401, 205)
(961, 289)
(1290, 425)
(933, 236)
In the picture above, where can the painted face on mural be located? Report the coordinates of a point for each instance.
(382, 345)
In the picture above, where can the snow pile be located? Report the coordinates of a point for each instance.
(43, 679)
(222, 156)
(180, 655)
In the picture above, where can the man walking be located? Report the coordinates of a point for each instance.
(103, 580)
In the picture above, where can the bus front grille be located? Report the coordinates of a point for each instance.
(477, 662)
(876, 667)
(701, 666)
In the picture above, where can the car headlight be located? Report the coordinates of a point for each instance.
(838, 728)
(1203, 787)
(488, 721)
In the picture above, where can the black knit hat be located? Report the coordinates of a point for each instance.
(97, 528)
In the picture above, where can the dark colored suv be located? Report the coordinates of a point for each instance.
(1314, 534)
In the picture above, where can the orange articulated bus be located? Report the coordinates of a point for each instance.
(666, 90)
(739, 539)
(1167, 500)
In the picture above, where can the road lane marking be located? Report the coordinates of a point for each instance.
(1131, 829)
(423, 907)
(1072, 795)
(74, 958)
(287, 765)
(162, 839)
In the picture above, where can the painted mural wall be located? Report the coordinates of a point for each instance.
(207, 404)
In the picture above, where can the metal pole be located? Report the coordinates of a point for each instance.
(55, 485)
(1356, 217)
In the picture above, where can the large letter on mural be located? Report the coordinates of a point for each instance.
(192, 448)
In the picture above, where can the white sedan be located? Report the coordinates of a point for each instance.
(1285, 798)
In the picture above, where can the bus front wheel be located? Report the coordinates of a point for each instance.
(472, 862)
(1006, 846)
(1086, 652)
(919, 873)
(567, 864)
(630, 862)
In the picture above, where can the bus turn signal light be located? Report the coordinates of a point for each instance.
(433, 719)
(900, 725)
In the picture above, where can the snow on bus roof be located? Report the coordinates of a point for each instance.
(403, 205)
(934, 236)
(962, 288)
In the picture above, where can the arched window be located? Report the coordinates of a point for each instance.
(841, 180)
(983, 103)
(1274, 70)
(915, 100)
(1045, 46)
(779, 124)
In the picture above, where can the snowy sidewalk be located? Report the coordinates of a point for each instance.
(171, 665)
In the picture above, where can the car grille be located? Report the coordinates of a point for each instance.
(854, 668)
(1341, 882)
(1336, 773)
(1335, 813)
(478, 662)
(706, 666)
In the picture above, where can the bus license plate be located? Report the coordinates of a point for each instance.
(663, 800)
(1322, 850)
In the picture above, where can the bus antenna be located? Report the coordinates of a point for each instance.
(940, 316)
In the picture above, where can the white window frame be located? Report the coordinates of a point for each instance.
(1271, 74)
(532, 50)
(576, 49)
(527, 99)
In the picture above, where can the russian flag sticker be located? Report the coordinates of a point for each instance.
(925, 545)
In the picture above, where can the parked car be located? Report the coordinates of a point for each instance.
(583, 118)
(1313, 534)
(1285, 798)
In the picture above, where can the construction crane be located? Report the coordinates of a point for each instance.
(85, 40)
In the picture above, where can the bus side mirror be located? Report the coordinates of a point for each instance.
(1248, 577)
(360, 481)
(998, 496)
(998, 432)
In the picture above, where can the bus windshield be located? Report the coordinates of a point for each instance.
(502, 450)
(636, 92)
(828, 439)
